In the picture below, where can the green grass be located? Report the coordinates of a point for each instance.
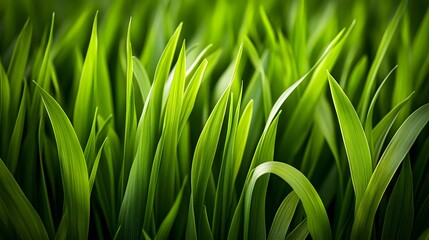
(214, 120)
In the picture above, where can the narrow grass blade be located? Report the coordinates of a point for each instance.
(355, 142)
(21, 214)
(381, 52)
(142, 78)
(167, 223)
(74, 172)
(283, 217)
(398, 221)
(380, 131)
(300, 232)
(84, 105)
(18, 65)
(318, 222)
(95, 167)
(386, 168)
(18, 130)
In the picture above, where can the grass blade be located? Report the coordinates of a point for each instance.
(355, 142)
(318, 222)
(74, 172)
(283, 217)
(21, 214)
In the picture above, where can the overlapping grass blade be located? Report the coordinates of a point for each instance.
(386, 168)
(355, 142)
(400, 209)
(21, 214)
(73, 168)
(318, 222)
(300, 232)
(283, 217)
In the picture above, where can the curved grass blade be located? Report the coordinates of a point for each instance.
(386, 168)
(318, 222)
(21, 214)
(74, 172)
(355, 142)
(398, 221)
(142, 78)
(283, 217)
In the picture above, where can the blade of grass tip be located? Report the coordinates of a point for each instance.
(89, 151)
(356, 77)
(165, 227)
(84, 105)
(205, 231)
(355, 142)
(142, 78)
(300, 232)
(368, 120)
(380, 131)
(268, 28)
(73, 168)
(130, 114)
(283, 217)
(103, 95)
(385, 169)
(22, 215)
(17, 66)
(15, 140)
(398, 221)
(318, 222)
(381, 52)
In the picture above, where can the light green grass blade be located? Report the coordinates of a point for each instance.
(381, 52)
(355, 142)
(17, 66)
(84, 105)
(89, 151)
(4, 100)
(299, 38)
(356, 78)
(300, 232)
(18, 130)
(398, 221)
(318, 222)
(386, 168)
(95, 167)
(21, 214)
(169, 165)
(283, 217)
(190, 95)
(167, 223)
(380, 131)
(73, 168)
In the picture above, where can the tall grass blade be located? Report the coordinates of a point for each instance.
(283, 217)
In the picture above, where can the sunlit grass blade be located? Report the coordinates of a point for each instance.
(21, 214)
(355, 142)
(283, 217)
(398, 220)
(318, 222)
(73, 168)
(84, 105)
(381, 52)
(386, 168)
(95, 166)
(142, 78)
